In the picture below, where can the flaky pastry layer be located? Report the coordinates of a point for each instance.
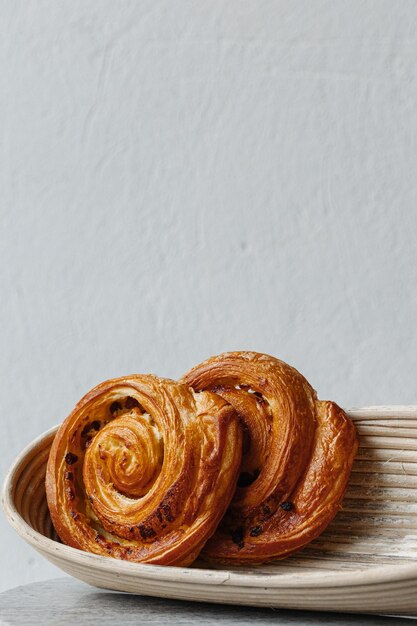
(143, 469)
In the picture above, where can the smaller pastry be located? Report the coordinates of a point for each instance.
(297, 456)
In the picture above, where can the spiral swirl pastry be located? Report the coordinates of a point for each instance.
(297, 456)
(143, 469)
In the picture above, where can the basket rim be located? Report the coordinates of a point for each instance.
(373, 575)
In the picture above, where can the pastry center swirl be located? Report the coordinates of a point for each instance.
(125, 456)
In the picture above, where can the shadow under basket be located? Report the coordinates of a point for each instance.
(366, 561)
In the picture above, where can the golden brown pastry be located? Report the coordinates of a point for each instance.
(297, 455)
(143, 469)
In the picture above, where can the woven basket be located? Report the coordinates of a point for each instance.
(366, 561)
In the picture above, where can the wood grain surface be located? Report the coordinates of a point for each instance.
(66, 601)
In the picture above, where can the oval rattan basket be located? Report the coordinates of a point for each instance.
(366, 561)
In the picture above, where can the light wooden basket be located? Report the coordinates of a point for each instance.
(366, 561)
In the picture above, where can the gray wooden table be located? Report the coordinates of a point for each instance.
(67, 601)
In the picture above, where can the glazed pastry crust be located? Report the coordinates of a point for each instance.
(143, 469)
(297, 456)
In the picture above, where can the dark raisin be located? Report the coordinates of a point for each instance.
(88, 442)
(100, 538)
(237, 537)
(246, 478)
(146, 532)
(129, 550)
(115, 406)
(244, 387)
(255, 531)
(172, 491)
(69, 476)
(71, 495)
(246, 440)
(70, 458)
(287, 506)
(95, 425)
(91, 498)
(131, 402)
(167, 512)
(74, 514)
(218, 389)
(260, 400)
(131, 529)
(266, 510)
(85, 430)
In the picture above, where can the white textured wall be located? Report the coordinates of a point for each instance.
(182, 178)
